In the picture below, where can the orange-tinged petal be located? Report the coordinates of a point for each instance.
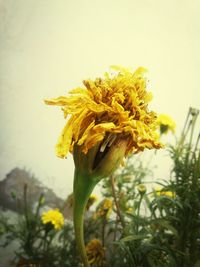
(79, 90)
(117, 107)
(86, 132)
(59, 101)
(77, 123)
(65, 139)
(102, 127)
(92, 140)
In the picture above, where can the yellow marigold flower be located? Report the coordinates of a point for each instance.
(166, 123)
(107, 119)
(107, 110)
(95, 253)
(54, 217)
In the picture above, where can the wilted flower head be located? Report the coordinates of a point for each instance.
(107, 110)
(95, 253)
(53, 217)
(166, 123)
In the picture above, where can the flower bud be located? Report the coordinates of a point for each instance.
(141, 189)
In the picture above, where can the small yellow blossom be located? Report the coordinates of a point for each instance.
(166, 194)
(92, 199)
(166, 123)
(70, 201)
(141, 189)
(130, 210)
(95, 253)
(54, 217)
(127, 179)
(104, 209)
(107, 110)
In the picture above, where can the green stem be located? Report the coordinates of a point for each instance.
(138, 213)
(112, 182)
(83, 187)
(103, 229)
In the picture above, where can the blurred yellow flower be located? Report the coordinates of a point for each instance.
(95, 253)
(104, 209)
(130, 210)
(70, 201)
(166, 123)
(107, 110)
(92, 199)
(165, 193)
(54, 217)
(141, 189)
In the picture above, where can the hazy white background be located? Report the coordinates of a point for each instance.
(50, 46)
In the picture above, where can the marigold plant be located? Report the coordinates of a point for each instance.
(107, 119)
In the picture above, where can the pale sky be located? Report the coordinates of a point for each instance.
(48, 47)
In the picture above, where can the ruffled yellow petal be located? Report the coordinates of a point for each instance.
(102, 127)
(64, 141)
(79, 90)
(92, 140)
(77, 124)
(86, 132)
(59, 101)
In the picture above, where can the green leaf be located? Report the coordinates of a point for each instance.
(132, 238)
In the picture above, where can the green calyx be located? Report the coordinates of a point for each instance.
(97, 164)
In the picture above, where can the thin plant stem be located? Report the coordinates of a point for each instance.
(138, 212)
(39, 205)
(25, 205)
(197, 142)
(115, 231)
(103, 230)
(112, 182)
(183, 131)
(83, 186)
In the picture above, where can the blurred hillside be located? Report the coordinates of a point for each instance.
(12, 191)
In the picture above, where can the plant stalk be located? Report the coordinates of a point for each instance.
(112, 182)
(83, 186)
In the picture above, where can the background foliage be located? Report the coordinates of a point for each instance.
(139, 221)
